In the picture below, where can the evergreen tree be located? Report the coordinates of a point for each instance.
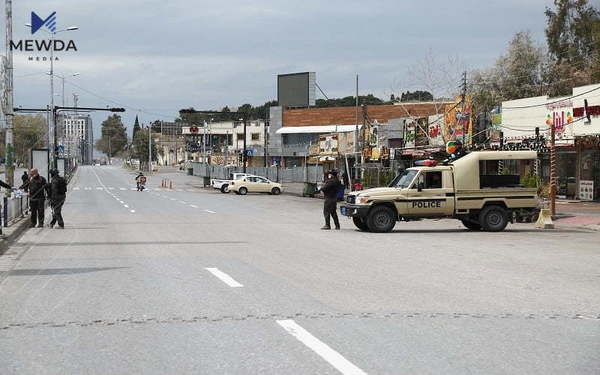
(136, 127)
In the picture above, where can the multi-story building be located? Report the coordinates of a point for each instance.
(225, 141)
(76, 137)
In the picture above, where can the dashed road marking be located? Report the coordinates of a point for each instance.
(210, 212)
(193, 206)
(132, 211)
(76, 188)
(224, 277)
(323, 350)
(122, 189)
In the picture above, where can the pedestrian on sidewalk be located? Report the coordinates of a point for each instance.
(25, 179)
(58, 195)
(38, 188)
(330, 191)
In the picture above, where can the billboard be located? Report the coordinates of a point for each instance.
(296, 89)
(40, 159)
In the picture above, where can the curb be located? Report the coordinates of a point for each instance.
(17, 230)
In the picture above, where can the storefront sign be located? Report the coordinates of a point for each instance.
(586, 190)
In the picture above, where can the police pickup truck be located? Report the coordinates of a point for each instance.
(469, 189)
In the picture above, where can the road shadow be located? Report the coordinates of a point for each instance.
(133, 243)
(60, 271)
(508, 231)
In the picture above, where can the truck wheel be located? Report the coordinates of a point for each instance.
(493, 218)
(360, 224)
(243, 191)
(471, 225)
(225, 189)
(381, 219)
(276, 191)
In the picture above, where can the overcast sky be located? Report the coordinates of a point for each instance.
(160, 56)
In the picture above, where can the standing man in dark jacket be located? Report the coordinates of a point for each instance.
(330, 191)
(37, 197)
(25, 179)
(58, 194)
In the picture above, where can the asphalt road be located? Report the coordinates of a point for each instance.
(195, 281)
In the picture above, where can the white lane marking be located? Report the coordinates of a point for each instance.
(132, 211)
(98, 188)
(122, 189)
(210, 212)
(76, 188)
(126, 206)
(182, 202)
(224, 277)
(173, 199)
(111, 188)
(193, 206)
(323, 350)
(88, 188)
(133, 188)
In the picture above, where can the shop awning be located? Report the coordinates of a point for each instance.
(317, 129)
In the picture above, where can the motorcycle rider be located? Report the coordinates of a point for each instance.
(140, 180)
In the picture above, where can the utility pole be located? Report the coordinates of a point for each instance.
(8, 100)
(463, 96)
(356, 128)
(266, 135)
(553, 169)
(245, 137)
(150, 148)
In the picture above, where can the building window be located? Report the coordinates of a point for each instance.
(255, 136)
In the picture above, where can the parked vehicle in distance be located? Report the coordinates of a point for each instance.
(223, 185)
(255, 184)
(463, 189)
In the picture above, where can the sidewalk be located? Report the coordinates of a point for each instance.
(579, 214)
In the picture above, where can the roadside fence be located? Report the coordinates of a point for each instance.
(311, 173)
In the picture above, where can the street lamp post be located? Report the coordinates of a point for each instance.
(63, 85)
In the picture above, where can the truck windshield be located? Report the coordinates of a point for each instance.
(405, 179)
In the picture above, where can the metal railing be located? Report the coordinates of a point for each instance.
(14, 208)
(311, 173)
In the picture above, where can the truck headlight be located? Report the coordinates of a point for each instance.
(362, 200)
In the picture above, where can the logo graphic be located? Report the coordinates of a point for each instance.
(37, 23)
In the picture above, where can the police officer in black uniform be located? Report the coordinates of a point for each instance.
(330, 191)
(58, 195)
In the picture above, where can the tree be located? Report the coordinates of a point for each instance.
(418, 96)
(29, 132)
(573, 36)
(114, 136)
(140, 146)
(136, 127)
(570, 32)
(349, 101)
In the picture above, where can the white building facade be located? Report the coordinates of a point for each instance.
(76, 138)
(576, 120)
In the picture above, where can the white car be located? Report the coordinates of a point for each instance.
(255, 184)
